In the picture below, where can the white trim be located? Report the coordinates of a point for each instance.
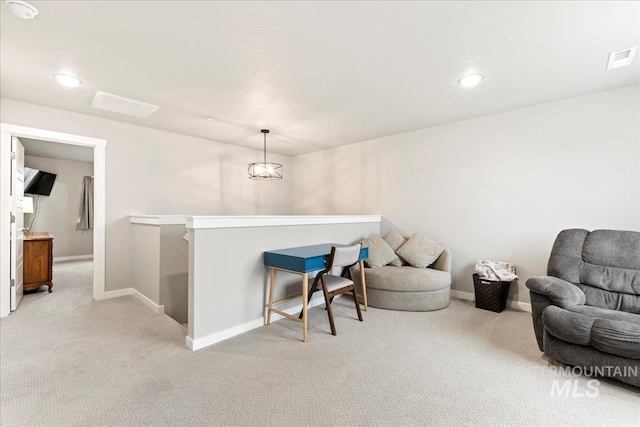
(524, 306)
(5, 225)
(118, 293)
(99, 211)
(468, 296)
(72, 258)
(203, 342)
(196, 222)
(49, 135)
(296, 309)
(130, 291)
(214, 338)
(100, 221)
(146, 301)
(159, 219)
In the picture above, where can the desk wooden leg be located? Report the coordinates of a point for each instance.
(364, 285)
(305, 296)
(271, 287)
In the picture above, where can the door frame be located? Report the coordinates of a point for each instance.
(99, 215)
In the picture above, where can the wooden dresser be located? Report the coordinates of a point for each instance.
(38, 261)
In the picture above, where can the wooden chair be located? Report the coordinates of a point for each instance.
(332, 285)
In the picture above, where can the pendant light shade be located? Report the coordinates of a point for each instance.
(265, 170)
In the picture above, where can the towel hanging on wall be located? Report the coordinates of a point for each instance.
(85, 220)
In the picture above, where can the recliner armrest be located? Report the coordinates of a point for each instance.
(562, 293)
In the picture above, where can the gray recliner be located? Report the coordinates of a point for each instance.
(586, 311)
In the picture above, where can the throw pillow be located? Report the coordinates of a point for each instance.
(380, 253)
(420, 251)
(395, 240)
(397, 262)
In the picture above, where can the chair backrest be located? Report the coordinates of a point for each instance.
(344, 256)
(605, 264)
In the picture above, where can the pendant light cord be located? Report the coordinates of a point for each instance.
(265, 148)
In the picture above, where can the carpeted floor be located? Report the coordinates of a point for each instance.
(66, 360)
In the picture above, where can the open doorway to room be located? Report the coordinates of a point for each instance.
(58, 224)
(66, 156)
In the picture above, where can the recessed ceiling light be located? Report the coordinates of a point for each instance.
(22, 9)
(67, 80)
(471, 80)
(621, 58)
(210, 119)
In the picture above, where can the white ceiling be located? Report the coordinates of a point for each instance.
(318, 74)
(56, 150)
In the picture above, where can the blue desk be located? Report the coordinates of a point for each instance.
(303, 260)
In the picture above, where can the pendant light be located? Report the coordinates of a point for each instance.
(265, 170)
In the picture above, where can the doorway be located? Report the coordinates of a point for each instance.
(64, 142)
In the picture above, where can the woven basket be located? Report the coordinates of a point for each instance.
(491, 295)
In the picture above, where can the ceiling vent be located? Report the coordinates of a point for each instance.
(621, 58)
(122, 105)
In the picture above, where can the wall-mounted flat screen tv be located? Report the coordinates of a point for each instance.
(38, 182)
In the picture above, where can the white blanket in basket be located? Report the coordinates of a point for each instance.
(496, 270)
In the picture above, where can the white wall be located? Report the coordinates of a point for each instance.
(174, 272)
(228, 281)
(58, 213)
(150, 171)
(146, 261)
(161, 266)
(496, 187)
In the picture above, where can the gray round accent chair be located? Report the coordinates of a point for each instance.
(408, 288)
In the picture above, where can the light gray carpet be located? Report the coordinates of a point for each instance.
(66, 360)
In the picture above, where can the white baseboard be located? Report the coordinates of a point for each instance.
(214, 338)
(298, 308)
(72, 258)
(468, 296)
(203, 342)
(524, 306)
(118, 293)
(130, 291)
(146, 301)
